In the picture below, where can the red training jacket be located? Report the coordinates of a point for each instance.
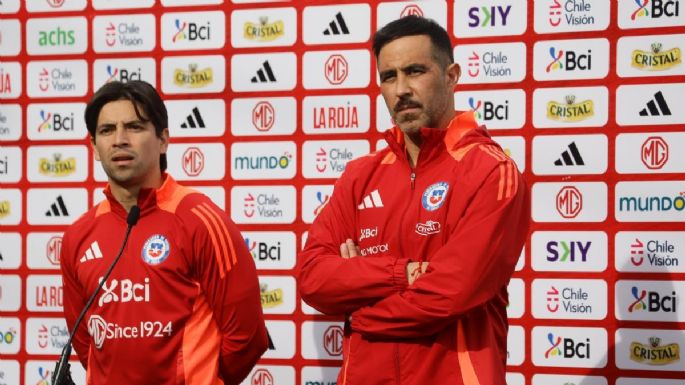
(182, 305)
(465, 210)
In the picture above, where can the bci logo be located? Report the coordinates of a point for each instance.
(569, 60)
(55, 121)
(262, 251)
(656, 9)
(562, 251)
(490, 16)
(122, 74)
(567, 347)
(652, 301)
(191, 31)
(489, 111)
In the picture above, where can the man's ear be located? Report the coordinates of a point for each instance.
(164, 141)
(453, 73)
(95, 150)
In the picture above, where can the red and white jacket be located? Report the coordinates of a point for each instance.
(182, 306)
(465, 210)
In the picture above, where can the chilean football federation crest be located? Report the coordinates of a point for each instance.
(156, 249)
(434, 196)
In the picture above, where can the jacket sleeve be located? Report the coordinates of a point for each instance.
(74, 300)
(332, 284)
(470, 269)
(228, 278)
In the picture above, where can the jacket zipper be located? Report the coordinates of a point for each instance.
(412, 178)
(347, 361)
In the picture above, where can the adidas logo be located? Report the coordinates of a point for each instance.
(656, 106)
(57, 209)
(93, 252)
(264, 74)
(192, 119)
(337, 26)
(570, 157)
(370, 201)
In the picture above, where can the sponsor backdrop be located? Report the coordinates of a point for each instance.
(268, 101)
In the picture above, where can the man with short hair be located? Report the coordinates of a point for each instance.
(182, 306)
(419, 240)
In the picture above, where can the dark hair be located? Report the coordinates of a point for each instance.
(142, 95)
(412, 26)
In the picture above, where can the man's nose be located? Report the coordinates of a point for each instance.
(402, 85)
(121, 135)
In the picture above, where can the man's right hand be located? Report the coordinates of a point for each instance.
(349, 250)
(414, 270)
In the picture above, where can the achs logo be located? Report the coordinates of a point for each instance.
(156, 249)
(333, 340)
(570, 111)
(127, 292)
(248, 205)
(270, 298)
(654, 353)
(336, 69)
(263, 116)
(192, 77)
(659, 8)
(57, 166)
(323, 200)
(264, 31)
(652, 301)
(110, 34)
(434, 196)
(191, 31)
(411, 10)
(428, 228)
(193, 161)
(569, 202)
(656, 60)
(654, 152)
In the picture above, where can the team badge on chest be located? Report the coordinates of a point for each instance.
(156, 249)
(434, 196)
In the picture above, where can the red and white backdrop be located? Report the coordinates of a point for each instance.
(267, 103)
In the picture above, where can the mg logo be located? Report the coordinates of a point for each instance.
(336, 69)
(411, 10)
(55, 3)
(654, 152)
(97, 328)
(569, 202)
(333, 340)
(262, 377)
(53, 250)
(193, 161)
(263, 116)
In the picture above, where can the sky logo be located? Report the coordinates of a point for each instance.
(556, 63)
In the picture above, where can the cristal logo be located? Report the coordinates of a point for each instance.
(264, 31)
(570, 111)
(553, 299)
(263, 116)
(97, 328)
(333, 340)
(191, 31)
(652, 301)
(262, 377)
(491, 16)
(654, 152)
(569, 251)
(193, 161)
(569, 60)
(57, 166)
(55, 122)
(127, 292)
(654, 354)
(428, 228)
(249, 205)
(110, 34)
(567, 348)
(569, 202)
(263, 162)
(53, 250)
(652, 203)
(411, 10)
(660, 8)
(656, 59)
(193, 77)
(322, 201)
(336, 69)
(321, 160)
(490, 111)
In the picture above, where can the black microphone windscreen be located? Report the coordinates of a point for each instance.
(133, 216)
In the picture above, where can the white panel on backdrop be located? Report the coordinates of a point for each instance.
(55, 206)
(322, 340)
(649, 349)
(650, 104)
(389, 11)
(46, 336)
(124, 33)
(264, 72)
(570, 107)
(497, 109)
(515, 148)
(263, 160)
(270, 375)
(328, 159)
(10, 80)
(647, 381)
(656, 201)
(264, 27)
(10, 206)
(56, 36)
(583, 299)
(336, 69)
(10, 164)
(336, 114)
(55, 121)
(650, 14)
(566, 251)
(331, 24)
(122, 4)
(571, 59)
(570, 154)
(10, 371)
(569, 202)
(650, 153)
(10, 284)
(193, 74)
(57, 163)
(11, 125)
(40, 372)
(193, 30)
(650, 251)
(306, 309)
(477, 18)
(196, 117)
(315, 375)
(56, 78)
(55, 5)
(10, 251)
(658, 301)
(185, 3)
(569, 347)
(263, 204)
(197, 161)
(216, 194)
(515, 379)
(517, 298)
(43, 250)
(124, 70)
(44, 293)
(516, 345)
(263, 116)
(10, 47)
(10, 332)
(9, 6)
(558, 379)
(314, 199)
(277, 294)
(654, 55)
(282, 334)
(271, 250)
(571, 16)
(491, 63)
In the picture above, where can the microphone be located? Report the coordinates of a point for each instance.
(62, 373)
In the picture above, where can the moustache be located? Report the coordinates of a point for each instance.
(402, 104)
